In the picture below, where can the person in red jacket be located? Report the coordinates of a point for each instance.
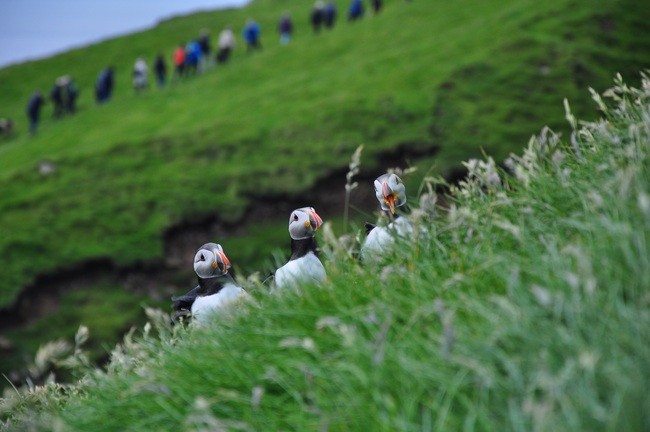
(179, 60)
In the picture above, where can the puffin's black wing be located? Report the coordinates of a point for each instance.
(185, 301)
(182, 305)
(370, 227)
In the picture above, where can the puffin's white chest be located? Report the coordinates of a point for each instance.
(307, 269)
(203, 307)
(381, 240)
(378, 242)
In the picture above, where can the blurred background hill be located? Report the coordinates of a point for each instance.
(136, 185)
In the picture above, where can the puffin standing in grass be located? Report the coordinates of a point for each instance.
(216, 289)
(304, 265)
(391, 194)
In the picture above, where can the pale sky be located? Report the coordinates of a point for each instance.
(31, 29)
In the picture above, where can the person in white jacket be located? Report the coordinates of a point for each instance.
(140, 75)
(225, 44)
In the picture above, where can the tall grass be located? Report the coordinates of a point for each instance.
(423, 83)
(350, 185)
(524, 308)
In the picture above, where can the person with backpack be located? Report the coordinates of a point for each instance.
(69, 93)
(56, 95)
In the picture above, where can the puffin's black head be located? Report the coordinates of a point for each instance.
(210, 261)
(303, 222)
(390, 192)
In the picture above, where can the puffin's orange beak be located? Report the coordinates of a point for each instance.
(317, 220)
(390, 200)
(221, 260)
(389, 196)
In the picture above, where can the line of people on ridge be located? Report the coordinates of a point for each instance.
(189, 59)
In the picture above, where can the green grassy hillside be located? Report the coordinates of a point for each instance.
(450, 78)
(523, 307)
(272, 123)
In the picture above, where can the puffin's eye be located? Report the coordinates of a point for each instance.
(202, 258)
(295, 217)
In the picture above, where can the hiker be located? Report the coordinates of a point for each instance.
(140, 75)
(72, 94)
(69, 93)
(356, 10)
(56, 95)
(179, 61)
(285, 28)
(225, 44)
(376, 6)
(34, 105)
(329, 16)
(251, 35)
(197, 56)
(104, 85)
(317, 15)
(206, 50)
(160, 69)
(192, 57)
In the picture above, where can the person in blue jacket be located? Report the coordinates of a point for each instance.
(251, 35)
(193, 55)
(104, 85)
(356, 10)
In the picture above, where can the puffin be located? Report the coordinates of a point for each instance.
(216, 289)
(304, 264)
(391, 194)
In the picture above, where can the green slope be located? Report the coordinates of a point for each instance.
(455, 77)
(523, 307)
